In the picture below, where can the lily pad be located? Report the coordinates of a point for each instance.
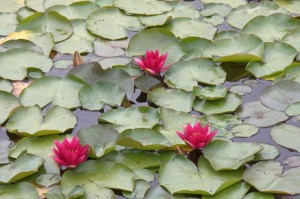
(277, 57)
(25, 165)
(8, 23)
(28, 121)
(6, 85)
(293, 109)
(21, 190)
(143, 139)
(292, 72)
(271, 28)
(172, 98)
(258, 195)
(48, 179)
(20, 43)
(143, 7)
(194, 47)
(240, 89)
(185, 27)
(101, 139)
(111, 23)
(291, 6)
(244, 130)
(182, 9)
(155, 38)
(15, 62)
(224, 155)
(186, 74)
(51, 21)
(60, 91)
(268, 176)
(11, 6)
(286, 135)
(269, 152)
(130, 118)
(210, 92)
(259, 115)
(205, 180)
(146, 82)
(225, 105)
(232, 3)
(214, 20)
(139, 191)
(218, 9)
(8, 105)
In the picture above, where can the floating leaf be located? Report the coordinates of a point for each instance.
(101, 139)
(244, 130)
(103, 49)
(60, 91)
(20, 43)
(21, 190)
(29, 121)
(205, 180)
(210, 92)
(146, 82)
(50, 21)
(224, 155)
(225, 105)
(182, 9)
(286, 135)
(111, 23)
(172, 98)
(8, 104)
(269, 152)
(258, 195)
(291, 6)
(6, 85)
(293, 109)
(139, 191)
(25, 165)
(240, 89)
(214, 20)
(76, 192)
(259, 115)
(232, 3)
(218, 9)
(194, 47)
(11, 6)
(268, 176)
(8, 23)
(48, 179)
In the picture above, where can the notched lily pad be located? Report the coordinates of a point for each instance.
(210, 92)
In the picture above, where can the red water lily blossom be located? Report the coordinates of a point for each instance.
(70, 153)
(153, 62)
(196, 137)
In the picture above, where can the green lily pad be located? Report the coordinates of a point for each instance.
(8, 105)
(214, 20)
(236, 191)
(101, 139)
(130, 118)
(21, 190)
(176, 99)
(281, 95)
(103, 49)
(182, 9)
(293, 109)
(8, 23)
(218, 9)
(48, 179)
(225, 105)
(240, 16)
(51, 21)
(155, 38)
(292, 72)
(76, 192)
(20, 43)
(259, 115)
(220, 121)
(210, 92)
(28, 121)
(111, 23)
(159, 192)
(60, 91)
(14, 63)
(240, 89)
(244, 130)
(277, 57)
(186, 74)
(143, 7)
(227, 34)
(286, 135)
(139, 191)
(258, 195)
(64, 64)
(269, 152)
(185, 27)
(205, 180)
(232, 3)
(11, 6)
(194, 47)
(49, 3)
(146, 83)
(153, 20)
(224, 155)
(143, 139)
(268, 176)
(24, 12)
(36, 5)
(291, 6)
(271, 28)
(6, 85)
(25, 165)
(242, 49)
(94, 96)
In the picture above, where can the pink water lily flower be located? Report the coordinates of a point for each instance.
(153, 62)
(196, 137)
(70, 153)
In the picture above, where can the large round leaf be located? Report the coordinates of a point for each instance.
(176, 99)
(8, 104)
(101, 139)
(153, 39)
(186, 74)
(130, 118)
(268, 176)
(111, 23)
(224, 155)
(14, 63)
(277, 57)
(240, 16)
(259, 115)
(22, 190)
(202, 180)
(143, 139)
(29, 121)
(60, 91)
(50, 21)
(209, 107)
(271, 28)
(25, 165)
(143, 7)
(244, 48)
(281, 95)
(286, 135)
(185, 27)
